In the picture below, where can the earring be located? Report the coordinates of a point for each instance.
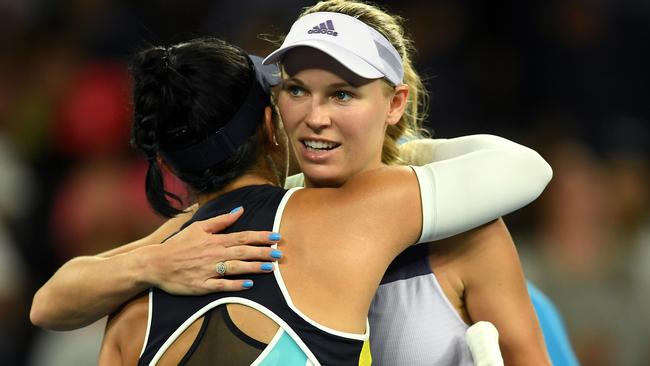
(275, 141)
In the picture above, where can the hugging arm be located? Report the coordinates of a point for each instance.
(463, 182)
(471, 180)
(87, 288)
(500, 177)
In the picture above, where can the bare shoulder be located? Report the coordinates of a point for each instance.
(459, 261)
(470, 248)
(373, 203)
(353, 233)
(483, 258)
(125, 332)
(488, 248)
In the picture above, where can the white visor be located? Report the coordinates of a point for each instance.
(357, 46)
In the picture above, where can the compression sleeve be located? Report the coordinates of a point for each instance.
(294, 181)
(474, 180)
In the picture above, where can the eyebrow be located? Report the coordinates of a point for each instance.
(341, 85)
(292, 80)
(299, 82)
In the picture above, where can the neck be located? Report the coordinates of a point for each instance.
(338, 182)
(243, 181)
(262, 172)
(270, 167)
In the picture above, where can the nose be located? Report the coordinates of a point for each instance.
(317, 117)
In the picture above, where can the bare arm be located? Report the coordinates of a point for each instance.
(159, 235)
(495, 291)
(87, 288)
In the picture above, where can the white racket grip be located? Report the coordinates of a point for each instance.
(483, 341)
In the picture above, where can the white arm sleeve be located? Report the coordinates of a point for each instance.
(294, 181)
(474, 180)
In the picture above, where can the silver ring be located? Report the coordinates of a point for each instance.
(221, 268)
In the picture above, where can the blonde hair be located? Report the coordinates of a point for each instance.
(390, 26)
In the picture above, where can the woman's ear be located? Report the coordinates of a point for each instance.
(268, 127)
(398, 101)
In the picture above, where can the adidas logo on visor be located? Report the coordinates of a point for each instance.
(324, 28)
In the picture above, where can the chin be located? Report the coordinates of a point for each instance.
(320, 179)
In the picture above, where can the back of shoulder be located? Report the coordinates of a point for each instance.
(126, 328)
(136, 308)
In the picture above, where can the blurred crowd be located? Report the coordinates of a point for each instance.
(567, 77)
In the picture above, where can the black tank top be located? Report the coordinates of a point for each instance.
(298, 335)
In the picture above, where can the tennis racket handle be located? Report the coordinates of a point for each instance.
(483, 341)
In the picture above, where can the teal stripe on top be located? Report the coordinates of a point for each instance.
(285, 352)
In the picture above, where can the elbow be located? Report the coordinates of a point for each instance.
(41, 315)
(543, 174)
(533, 176)
(38, 312)
(548, 174)
(533, 171)
(538, 173)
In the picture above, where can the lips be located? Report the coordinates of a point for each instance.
(318, 151)
(320, 145)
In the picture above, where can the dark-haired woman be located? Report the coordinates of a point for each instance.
(231, 152)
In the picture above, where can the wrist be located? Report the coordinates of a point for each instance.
(140, 267)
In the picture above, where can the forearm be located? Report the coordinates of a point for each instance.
(88, 288)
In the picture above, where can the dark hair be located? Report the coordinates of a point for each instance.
(182, 95)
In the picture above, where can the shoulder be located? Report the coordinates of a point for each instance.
(479, 258)
(486, 248)
(131, 313)
(491, 238)
(372, 203)
(380, 185)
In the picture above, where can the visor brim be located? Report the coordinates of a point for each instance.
(346, 58)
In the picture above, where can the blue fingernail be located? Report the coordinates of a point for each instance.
(247, 284)
(276, 254)
(274, 237)
(266, 266)
(236, 209)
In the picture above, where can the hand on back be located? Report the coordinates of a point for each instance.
(185, 264)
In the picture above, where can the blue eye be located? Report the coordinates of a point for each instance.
(342, 96)
(295, 91)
